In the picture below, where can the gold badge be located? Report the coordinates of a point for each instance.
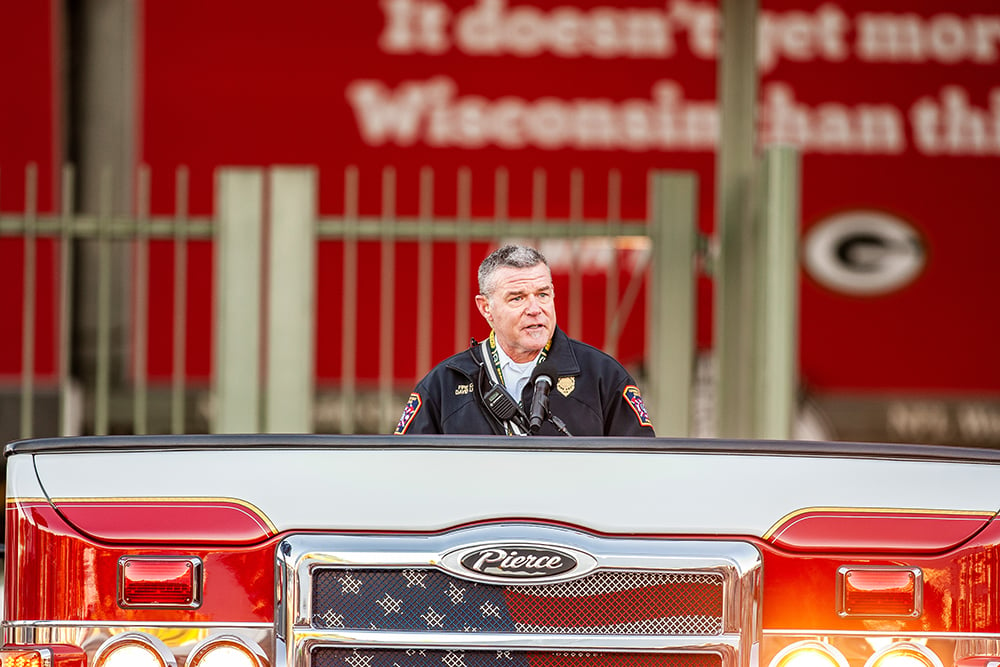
(566, 385)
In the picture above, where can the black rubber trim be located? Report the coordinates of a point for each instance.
(89, 444)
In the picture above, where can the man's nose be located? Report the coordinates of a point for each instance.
(534, 306)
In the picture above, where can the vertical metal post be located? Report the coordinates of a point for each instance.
(236, 356)
(387, 297)
(102, 379)
(105, 71)
(575, 244)
(67, 420)
(674, 236)
(539, 180)
(291, 314)
(734, 276)
(425, 273)
(29, 299)
(349, 316)
(778, 296)
(177, 401)
(140, 405)
(463, 258)
(611, 329)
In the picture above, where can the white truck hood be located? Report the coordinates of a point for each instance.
(428, 484)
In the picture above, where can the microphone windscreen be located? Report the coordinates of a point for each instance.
(547, 369)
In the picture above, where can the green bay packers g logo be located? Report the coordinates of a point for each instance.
(863, 252)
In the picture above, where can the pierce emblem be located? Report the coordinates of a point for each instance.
(516, 561)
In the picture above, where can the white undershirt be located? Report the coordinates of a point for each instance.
(515, 375)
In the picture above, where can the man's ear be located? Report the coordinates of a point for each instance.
(483, 304)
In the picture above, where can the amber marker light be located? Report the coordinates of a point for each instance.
(879, 591)
(145, 581)
(809, 653)
(21, 658)
(226, 651)
(904, 654)
(134, 649)
(43, 656)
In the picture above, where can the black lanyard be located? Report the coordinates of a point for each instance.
(495, 356)
(495, 374)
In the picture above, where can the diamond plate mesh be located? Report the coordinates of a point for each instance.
(346, 657)
(605, 602)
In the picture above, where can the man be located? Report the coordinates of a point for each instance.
(489, 388)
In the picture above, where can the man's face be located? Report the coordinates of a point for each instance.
(521, 309)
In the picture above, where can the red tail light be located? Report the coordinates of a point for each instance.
(879, 591)
(159, 582)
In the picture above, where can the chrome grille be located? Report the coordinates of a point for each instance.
(605, 602)
(367, 600)
(336, 657)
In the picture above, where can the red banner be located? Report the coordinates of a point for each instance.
(895, 106)
(29, 158)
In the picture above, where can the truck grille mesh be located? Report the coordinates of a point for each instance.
(346, 657)
(604, 602)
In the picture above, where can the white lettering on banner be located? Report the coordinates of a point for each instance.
(943, 421)
(433, 113)
(979, 422)
(596, 254)
(796, 35)
(429, 111)
(394, 117)
(497, 28)
(415, 26)
(801, 37)
(492, 28)
(701, 20)
(918, 421)
(830, 127)
(954, 126)
(943, 38)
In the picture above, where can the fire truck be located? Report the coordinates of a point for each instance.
(428, 551)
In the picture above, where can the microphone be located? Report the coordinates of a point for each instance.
(543, 379)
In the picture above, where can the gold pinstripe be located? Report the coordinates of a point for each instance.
(250, 507)
(783, 521)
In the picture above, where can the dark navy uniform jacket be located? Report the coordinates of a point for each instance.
(593, 395)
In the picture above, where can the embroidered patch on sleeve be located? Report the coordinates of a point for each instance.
(409, 412)
(634, 399)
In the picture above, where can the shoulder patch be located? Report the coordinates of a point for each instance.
(410, 411)
(634, 399)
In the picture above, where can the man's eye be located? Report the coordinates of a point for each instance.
(515, 299)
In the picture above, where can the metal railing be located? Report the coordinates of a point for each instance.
(264, 235)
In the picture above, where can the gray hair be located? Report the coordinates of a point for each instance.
(514, 256)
